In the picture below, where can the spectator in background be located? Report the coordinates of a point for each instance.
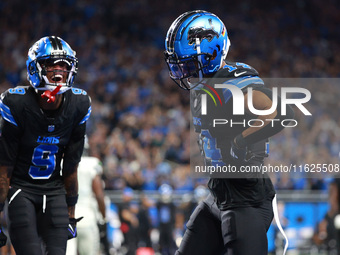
(144, 227)
(166, 215)
(129, 221)
(326, 234)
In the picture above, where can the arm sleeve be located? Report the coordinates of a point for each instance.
(270, 129)
(9, 142)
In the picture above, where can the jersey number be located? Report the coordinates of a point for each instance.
(233, 68)
(18, 91)
(209, 148)
(44, 161)
(77, 91)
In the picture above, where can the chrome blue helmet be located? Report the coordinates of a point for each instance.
(196, 44)
(50, 50)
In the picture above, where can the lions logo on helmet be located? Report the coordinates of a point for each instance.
(202, 33)
(196, 44)
(50, 49)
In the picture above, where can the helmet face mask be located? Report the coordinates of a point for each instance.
(195, 46)
(180, 70)
(43, 56)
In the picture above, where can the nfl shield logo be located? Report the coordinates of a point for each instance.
(50, 128)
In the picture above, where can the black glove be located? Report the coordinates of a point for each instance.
(72, 227)
(237, 152)
(3, 238)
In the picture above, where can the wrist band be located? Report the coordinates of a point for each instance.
(71, 200)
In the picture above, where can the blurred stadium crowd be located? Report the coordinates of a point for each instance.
(139, 126)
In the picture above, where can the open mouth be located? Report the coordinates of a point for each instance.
(57, 78)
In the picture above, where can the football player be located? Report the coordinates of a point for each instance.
(41, 125)
(91, 205)
(235, 217)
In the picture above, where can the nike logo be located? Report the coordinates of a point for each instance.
(238, 74)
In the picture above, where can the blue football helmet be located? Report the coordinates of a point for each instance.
(50, 50)
(196, 44)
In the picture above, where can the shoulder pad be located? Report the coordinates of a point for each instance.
(13, 101)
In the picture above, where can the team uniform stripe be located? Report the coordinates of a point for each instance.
(60, 46)
(6, 113)
(53, 42)
(87, 116)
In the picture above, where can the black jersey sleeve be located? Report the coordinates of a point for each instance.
(74, 149)
(9, 142)
(10, 132)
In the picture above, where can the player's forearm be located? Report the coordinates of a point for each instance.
(71, 211)
(101, 206)
(268, 125)
(4, 183)
(268, 130)
(71, 187)
(97, 188)
(261, 122)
